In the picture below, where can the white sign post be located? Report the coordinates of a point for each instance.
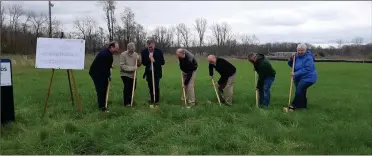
(7, 98)
(58, 53)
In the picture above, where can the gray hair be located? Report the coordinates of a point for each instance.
(131, 47)
(301, 46)
(181, 50)
(150, 40)
(250, 55)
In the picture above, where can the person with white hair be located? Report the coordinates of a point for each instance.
(227, 79)
(129, 61)
(188, 66)
(304, 75)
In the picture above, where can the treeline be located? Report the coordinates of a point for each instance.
(20, 29)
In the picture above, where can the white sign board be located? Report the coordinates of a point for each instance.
(6, 75)
(58, 53)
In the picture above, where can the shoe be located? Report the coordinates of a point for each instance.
(152, 106)
(128, 105)
(191, 104)
(289, 109)
(104, 109)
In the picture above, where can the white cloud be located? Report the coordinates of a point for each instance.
(297, 21)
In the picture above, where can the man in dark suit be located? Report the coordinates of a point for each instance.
(100, 72)
(152, 55)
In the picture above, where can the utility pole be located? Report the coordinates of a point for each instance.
(50, 18)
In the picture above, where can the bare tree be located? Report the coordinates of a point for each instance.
(178, 37)
(232, 44)
(185, 34)
(101, 36)
(127, 18)
(201, 27)
(163, 37)
(109, 9)
(339, 43)
(246, 41)
(15, 11)
(140, 35)
(358, 43)
(216, 33)
(38, 20)
(2, 14)
(225, 32)
(56, 27)
(255, 40)
(221, 32)
(357, 40)
(25, 24)
(86, 27)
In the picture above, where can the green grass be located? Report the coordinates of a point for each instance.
(338, 121)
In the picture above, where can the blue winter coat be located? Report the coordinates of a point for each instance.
(304, 69)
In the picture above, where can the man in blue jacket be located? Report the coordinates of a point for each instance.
(100, 72)
(154, 55)
(304, 75)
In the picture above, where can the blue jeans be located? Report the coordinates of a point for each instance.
(300, 99)
(265, 91)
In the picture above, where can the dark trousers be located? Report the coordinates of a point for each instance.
(300, 99)
(127, 91)
(264, 93)
(157, 90)
(101, 83)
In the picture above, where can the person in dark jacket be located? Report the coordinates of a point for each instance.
(227, 79)
(100, 72)
(155, 55)
(188, 66)
(304, 75)
(266, 77)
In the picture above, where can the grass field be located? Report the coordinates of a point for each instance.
(338, 121)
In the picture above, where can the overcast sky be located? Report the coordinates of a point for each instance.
(294, 21)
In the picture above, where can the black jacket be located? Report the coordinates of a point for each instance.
(101, 64)
(263, 69)
(226, 69)
(188, 65)
(159, 61)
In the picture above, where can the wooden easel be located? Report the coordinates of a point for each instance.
(69, 84)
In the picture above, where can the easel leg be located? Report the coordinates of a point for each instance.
(76, 90)
(50, 85)
(69, 84)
